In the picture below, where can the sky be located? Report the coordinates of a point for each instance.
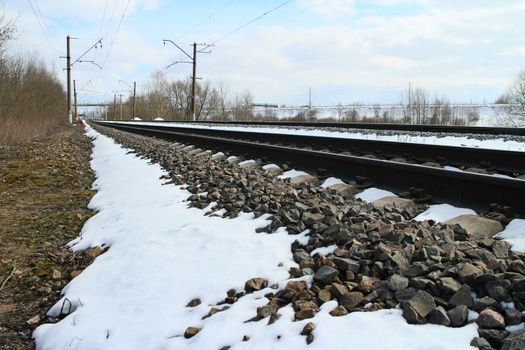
(346, 51)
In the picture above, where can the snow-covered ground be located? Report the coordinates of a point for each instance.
(162, 255)
(488, 114)
(409, 137)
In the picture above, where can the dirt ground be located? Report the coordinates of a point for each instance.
(45, 186)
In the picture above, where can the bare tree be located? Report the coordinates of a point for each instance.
(243, 104)
(415, 105)
(514, 110)
(224, 105)
(7, 31)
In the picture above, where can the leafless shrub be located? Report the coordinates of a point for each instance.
(514, 109)
(32, 100)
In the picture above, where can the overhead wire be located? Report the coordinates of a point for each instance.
(250, 22)
(103, 18)
(116, 33)
(42, 25)
(111, 18)
(205, 19)
(108, 52)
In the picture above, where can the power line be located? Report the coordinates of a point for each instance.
(111, 18)
(46, 27)
(116, 33)
(251, 21)
(103, 18)
(204, 20)
(41, 23)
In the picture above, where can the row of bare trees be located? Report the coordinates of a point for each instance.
(171, 100)
(31, 97)
(419, 108)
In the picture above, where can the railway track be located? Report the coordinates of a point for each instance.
(389, 165)
(452, 129)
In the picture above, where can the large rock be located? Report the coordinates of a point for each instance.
(338, 311)
(501, 249)
(344, 264)
(338, 290)
(489, 318)
(458, 315)
(345, 190)
(351, 300)
(498, 289)
(255, 284)
(326, 275)
(397, 282)
(515, 341)
(484, 303)
(439, 316)
(191, 332)
(301, 179)
(448, 285)
(494, 336)
(304, 314)
(462, 297)
(293, 288)
(468, 273)
(266, 310)
(421, 304)
(481, 344)
(398, 202)
(476, 226)
(513, 317)
(312, 218)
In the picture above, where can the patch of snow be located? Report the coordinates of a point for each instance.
(331, 181)
(136, 118)
(246, 162)
(515, 328)
(451, 168)
(514, 233)
(443, 212)
(231, 158)
(504, 176)
(159, 119)
(324, 250)
(472, 315)
(371, 194)
(219, 213)
(292, 173)
(270, 166)
(507, 305)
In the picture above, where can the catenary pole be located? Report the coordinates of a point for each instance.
(193, 78)
(68, 69)
(75, 99)
(134, 98)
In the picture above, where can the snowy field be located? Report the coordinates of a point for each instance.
(488, 114)
(487, 142)
(162, 255)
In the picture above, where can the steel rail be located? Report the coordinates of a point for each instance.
(452, 129)
(505, 162)
(464, 189)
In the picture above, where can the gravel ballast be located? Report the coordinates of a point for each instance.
(436, 273)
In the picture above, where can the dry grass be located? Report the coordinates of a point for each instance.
(44, 190)
(32, 100)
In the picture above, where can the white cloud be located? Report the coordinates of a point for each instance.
(447, 47)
